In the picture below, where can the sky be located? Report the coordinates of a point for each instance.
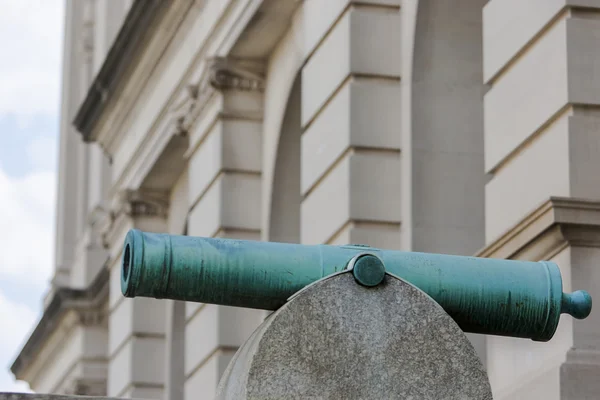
(31, 34)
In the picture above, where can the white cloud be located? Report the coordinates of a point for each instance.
(27, 220)
(42, 152)
(30, 64)
(30, 60)
(26, 255)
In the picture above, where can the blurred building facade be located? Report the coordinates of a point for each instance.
(463, 127)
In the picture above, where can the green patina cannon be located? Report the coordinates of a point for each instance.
(489, 296)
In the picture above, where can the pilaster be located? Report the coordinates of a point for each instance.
(541, 122)
(67, 197)
(350, 118)
(566, 231)
(136, 349)
(222, 115)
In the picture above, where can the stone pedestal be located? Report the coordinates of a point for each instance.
(337, 339)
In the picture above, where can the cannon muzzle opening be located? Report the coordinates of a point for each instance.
(126, 271)
(146, 264)
(133, 244)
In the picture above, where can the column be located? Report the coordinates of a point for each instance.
(88, 375)
(66, 199)
(137, 326)
(224, 124)
(175, 350)
(91, 169)
(541, 61)
(350, 155)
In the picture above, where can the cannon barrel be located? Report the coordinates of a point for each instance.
(489, 296)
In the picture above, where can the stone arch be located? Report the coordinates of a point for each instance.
(284, 221)
(283, 72)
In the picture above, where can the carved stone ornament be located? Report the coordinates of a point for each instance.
(92, 317)
(97, 216)
(222, 74)
(184, 108)
(86, 387)
(142, 203)
(226, 73)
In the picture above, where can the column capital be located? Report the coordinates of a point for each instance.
(129, 206)
(86, 387)
(141, 203)
(226, 73)
(221, 74)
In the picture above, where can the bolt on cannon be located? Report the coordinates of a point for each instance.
(521, 299)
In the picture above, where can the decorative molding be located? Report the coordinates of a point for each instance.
(227, 73)
(114, 234)
(92, 317)
(138, 64)
(126, 47)
(104, 115)
(554, 225)
(128, 205)
(221, 74)
(87, 387)
(97, 215)
(141, 203)
(183, 108)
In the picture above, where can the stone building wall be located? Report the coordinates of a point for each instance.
(458, 127)
(542, 139)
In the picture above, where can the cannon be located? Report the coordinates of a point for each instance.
(521, 299)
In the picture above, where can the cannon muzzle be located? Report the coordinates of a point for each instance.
(489, 296)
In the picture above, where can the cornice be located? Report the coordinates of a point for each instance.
(555, 224)
(206, 74)
(127, 46)
(88, 306)
(225, 58)
(154, 59)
